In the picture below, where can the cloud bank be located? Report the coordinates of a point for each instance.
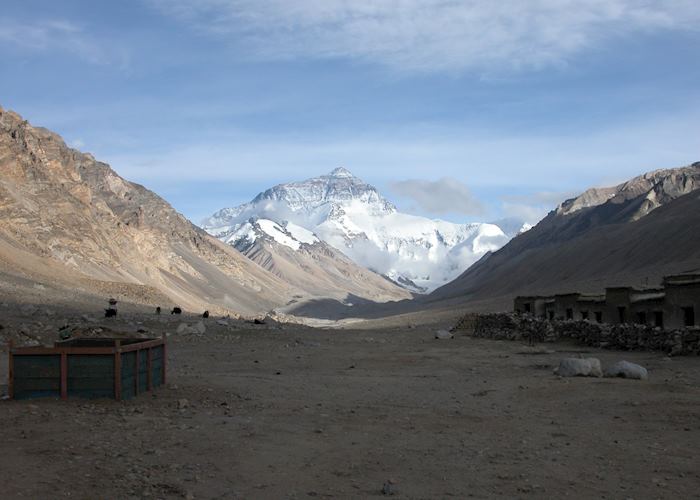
(444, 196)
(431, 35)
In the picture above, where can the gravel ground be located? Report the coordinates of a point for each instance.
(292, 412)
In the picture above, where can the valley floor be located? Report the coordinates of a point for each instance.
(301, 413)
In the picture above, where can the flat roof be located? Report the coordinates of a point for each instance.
(642, 297)
(682, 281)
(592, 298)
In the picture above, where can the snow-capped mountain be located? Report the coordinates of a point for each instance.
(352, 216)
(287, 234)
(296, 255)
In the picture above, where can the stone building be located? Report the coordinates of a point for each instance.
(673, 305)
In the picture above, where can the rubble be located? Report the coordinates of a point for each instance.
(626, 337)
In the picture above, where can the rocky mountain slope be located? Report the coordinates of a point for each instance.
(629, 234)
(70, 222)
(298, 257)
(353, 217)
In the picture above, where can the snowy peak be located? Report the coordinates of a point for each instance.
(285, 233)
(313, 200)
(350, 215)
(341, 172)
(338, 188)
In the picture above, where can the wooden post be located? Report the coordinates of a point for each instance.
(11, 373)
(136, 372)
(117, 370)
(165, 359)
(64, 376)
(149, 376)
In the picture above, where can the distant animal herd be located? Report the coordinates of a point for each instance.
(111, 311)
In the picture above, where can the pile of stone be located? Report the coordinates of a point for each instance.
(508, 327)
(525, 327)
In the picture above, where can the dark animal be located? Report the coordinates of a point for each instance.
(158, 310)
(110, 312)
(259, 321)
(176, 310)
(205, 314)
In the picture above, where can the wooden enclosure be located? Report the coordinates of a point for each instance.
(87, 368)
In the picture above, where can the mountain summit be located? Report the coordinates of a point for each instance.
(351, 215)
(338, 188)
(341, 172)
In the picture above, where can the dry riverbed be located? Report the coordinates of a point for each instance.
(267, 412)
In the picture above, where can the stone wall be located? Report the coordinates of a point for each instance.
(524, 327)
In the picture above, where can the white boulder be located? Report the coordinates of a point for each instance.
(196, 329)
(444, 334)
(625, 369)
(579, 367)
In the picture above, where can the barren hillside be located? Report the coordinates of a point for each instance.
(70, 222)
(631, 234)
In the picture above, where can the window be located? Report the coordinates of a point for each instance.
(551, 315)
(621, 312)
(599, 316)
(688, 316)
(584, 314)
(642, 318)
(569, 314)
(527, 307)
(659, 319)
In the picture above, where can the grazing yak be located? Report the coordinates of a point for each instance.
(111, 312)
(205, 314)
(176, 310)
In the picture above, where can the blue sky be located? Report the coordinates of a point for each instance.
(517, 104)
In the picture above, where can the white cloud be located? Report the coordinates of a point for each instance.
(427, 35)
(60, 35)
(548, 198)
(444, 196)
(531, 208)
(531, 214)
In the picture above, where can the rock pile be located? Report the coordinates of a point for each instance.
(524, 327)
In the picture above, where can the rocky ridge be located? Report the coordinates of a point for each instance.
(70, 220)
(629, 234)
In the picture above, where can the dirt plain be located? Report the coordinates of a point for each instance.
(283, 412)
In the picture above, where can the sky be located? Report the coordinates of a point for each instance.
(463, 110)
